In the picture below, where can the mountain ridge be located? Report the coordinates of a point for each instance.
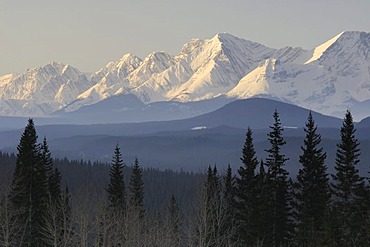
(319, 79)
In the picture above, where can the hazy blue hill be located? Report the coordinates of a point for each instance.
(191, 151)
(364, 123)
(126, 108)
(255, 113)
(193, 143)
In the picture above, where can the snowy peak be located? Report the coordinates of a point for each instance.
(157, 58)
(129, 60)
(52, 68)
(256, 82)
(344, 44)
(329, 78)
(155, 62)
(127, 64)
(349, 56)
(108, 81)
(41, 90)
(190, 46)
(218, 64)
(319, 51)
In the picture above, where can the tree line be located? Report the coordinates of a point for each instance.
(261, 205)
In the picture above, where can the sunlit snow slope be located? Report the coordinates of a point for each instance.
(330, 78)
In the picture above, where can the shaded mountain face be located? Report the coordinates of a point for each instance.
(330, 78)
(334, 79)
(255, 113)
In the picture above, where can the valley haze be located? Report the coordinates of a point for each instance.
(197, 103)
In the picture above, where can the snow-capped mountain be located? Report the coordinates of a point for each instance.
(329, 78)
(41, 90)
(334, 78)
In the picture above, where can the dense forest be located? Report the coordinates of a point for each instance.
(61, 202)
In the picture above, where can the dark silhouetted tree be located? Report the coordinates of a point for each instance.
(173, 223)
(312, 191)
(349, 188)
(246, 192)
(280, 215)
(116, 187)
(228, 228)
(137, 189)
(47, 161)
(29, 192)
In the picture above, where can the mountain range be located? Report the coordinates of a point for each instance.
(331, 78)
(192, 143)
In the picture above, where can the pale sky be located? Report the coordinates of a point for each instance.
(89, 33)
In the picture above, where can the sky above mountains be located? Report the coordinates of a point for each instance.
(86, 32)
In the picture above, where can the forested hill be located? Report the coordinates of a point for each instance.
(87, 181)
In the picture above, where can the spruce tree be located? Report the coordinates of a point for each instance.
(46, 159)
(312, 189)
(116, 187)
(137, 189)
(136, 212)
(246, 192)
(67, 228)
(227, 228)
(260, 218)
(280, 215)
(174, 222)
(55, 184)
(213, 186)
(229, 191)
(348, 187)
(29, 190)
(210, 215)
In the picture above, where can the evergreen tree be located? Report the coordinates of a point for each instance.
(174, 223)
(55, 184)
(246, 192)
(55, 214)
(260, 218)
(47, 161)
(229, 191)
(136, 212)
(29, 192)
(210, 214)
(213, 186)
(349, 188)
(67, 228)
(137, 189)
(228, 228)
(280, 215)
(116, 187)
(312, 189)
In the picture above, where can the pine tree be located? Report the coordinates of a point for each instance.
(137, 189)
(280, 215)
(312, 189)
(29, 193)
(246, 191)
(349, 187)
(227, 227)
(116, 187)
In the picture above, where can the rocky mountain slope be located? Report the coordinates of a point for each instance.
(330, 78)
